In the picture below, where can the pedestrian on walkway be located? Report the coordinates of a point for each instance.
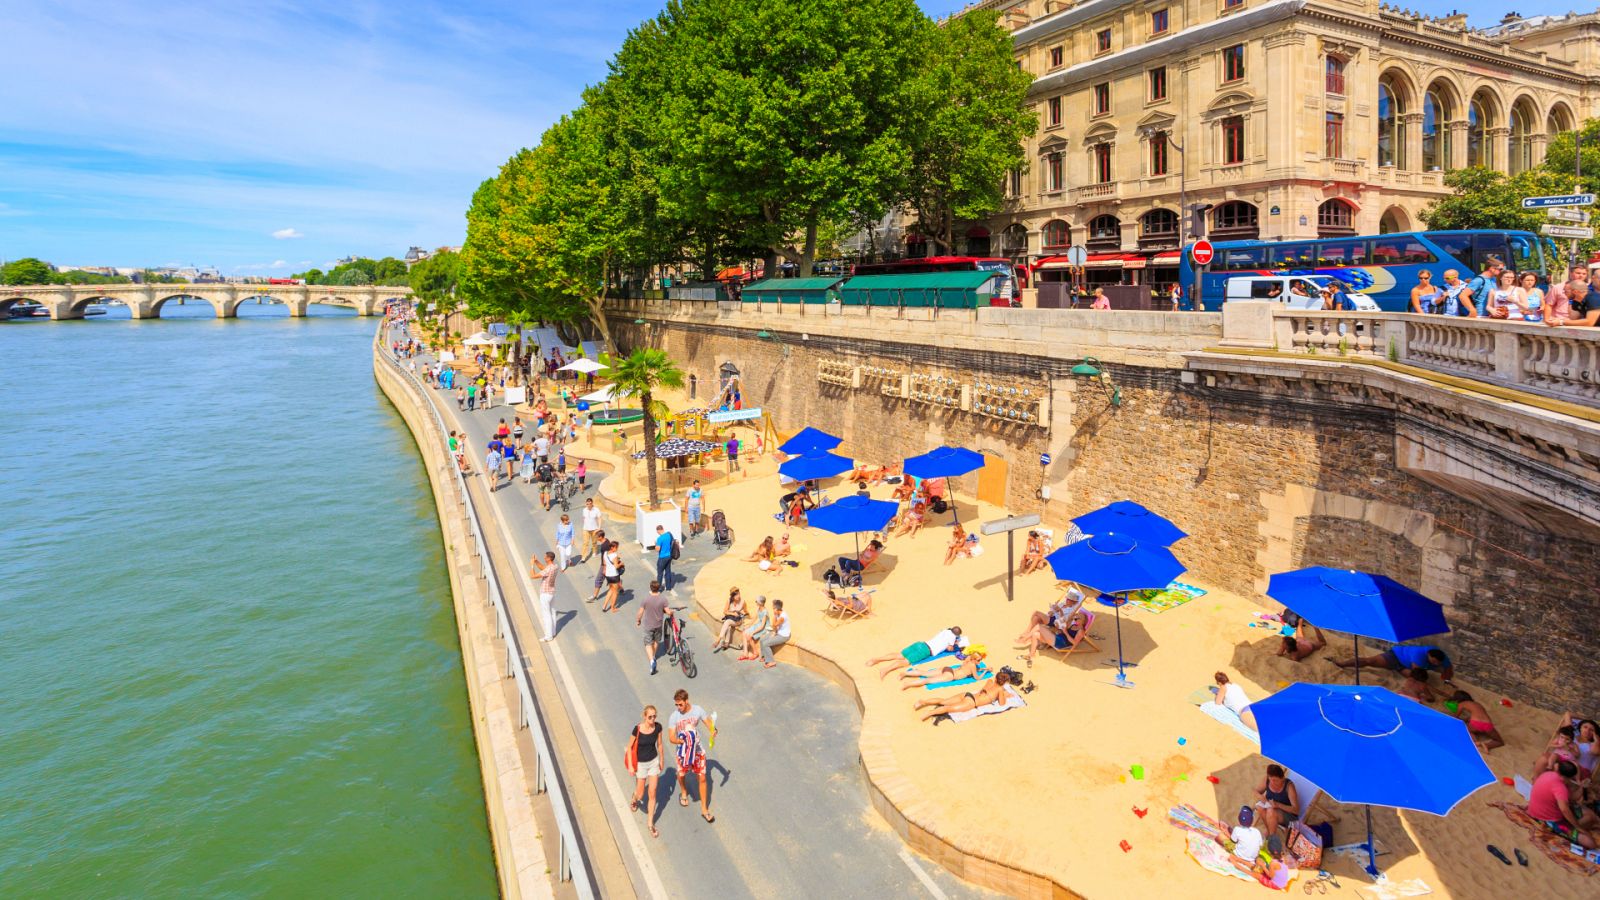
(528, 464)
(644, 761)
(541, 447)
(591, 526)
(488, 394)
(582, 472)
(683, 730)
(461, 399)
(652, 617)
(564, 541)
(665, 543)
(547, 592)
(491, 465)
(733, 454)
(696, 496)
(613, 567)
(600, 570)
(472, 396)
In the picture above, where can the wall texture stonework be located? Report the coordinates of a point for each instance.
(1263, 481)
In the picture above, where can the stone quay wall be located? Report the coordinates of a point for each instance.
(1264, 478)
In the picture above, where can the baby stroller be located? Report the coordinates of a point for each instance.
(721, 534)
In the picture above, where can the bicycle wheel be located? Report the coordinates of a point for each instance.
(686, 662)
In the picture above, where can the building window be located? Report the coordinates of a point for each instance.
(1159, 22)
(1102, 163)
(1235, 218)
(1158, 224)
(1158, 83)
(1233, 140)
(1158, 153)
(1106, 231)
(1055, 57)
(1057, 234)
(1052, 172)
(1336, 218)
(1232, 4)
(1233, 63)
(1102, 40)
(1335, 76)
(1054, 114)
(1435, 133)
(1480, 145)
(1333, 136)
(1391, 137)
(1014, 182)
(1102, 99)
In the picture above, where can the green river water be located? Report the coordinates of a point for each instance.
(228, 659)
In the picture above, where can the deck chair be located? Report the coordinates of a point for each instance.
(854, 604)
(1082, 638)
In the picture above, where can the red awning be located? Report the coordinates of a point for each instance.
(1110, 260)
(1166, 258)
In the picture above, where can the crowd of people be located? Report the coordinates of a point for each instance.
(1499, 293)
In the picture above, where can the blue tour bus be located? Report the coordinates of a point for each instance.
(1382, 266)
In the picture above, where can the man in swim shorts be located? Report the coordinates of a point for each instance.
(1406, 656)
(922, 651)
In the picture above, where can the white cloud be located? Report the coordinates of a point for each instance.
(284, 234)
(278, 264)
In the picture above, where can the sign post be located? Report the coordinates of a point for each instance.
(1558, 200)
(1563, 214)
(1576, 232)
(1200, 253)
(1010, 526)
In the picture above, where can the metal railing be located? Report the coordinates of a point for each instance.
(573, 862)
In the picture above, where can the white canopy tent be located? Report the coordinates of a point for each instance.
(582, 364)
(604, 395)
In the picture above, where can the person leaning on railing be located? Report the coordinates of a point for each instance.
(1584, 306)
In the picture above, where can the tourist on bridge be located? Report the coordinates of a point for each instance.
(683, 730)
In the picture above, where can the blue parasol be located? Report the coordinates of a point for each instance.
(1359, 604)
(815, 464)
(1115, 564)
(1370, 745)
(1129, 518)
(809, 439)
(944, 462)
(853, 515)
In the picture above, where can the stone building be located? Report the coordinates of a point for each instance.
(1268, 118)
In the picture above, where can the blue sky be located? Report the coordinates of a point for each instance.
(265, 137)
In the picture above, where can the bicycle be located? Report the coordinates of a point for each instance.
(564, 489)
(678, 652)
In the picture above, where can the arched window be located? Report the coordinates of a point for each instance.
(978, 241)
(1522, 124)
(1335, 218)
(1436, 116)
(1057, 234)
(1393, 220)
(1480, 144)
(1235, 220)
(1391, 136)
(1105, 231)
(1014, 240)
(1158, 224)
(1559, 120)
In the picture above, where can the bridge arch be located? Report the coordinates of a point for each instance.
(223, 308)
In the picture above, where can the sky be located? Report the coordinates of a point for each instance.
(271, 136)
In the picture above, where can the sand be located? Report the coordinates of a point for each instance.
(1047, 787)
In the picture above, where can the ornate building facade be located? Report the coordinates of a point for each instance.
(1266, 118)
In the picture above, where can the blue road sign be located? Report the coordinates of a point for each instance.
(1561, 200)
(1044, 459)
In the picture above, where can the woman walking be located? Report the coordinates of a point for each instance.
(612, 566)
(644, 761)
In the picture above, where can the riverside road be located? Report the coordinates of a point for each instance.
(791, 806)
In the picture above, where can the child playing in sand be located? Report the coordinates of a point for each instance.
(1415, 685)
(1478, 721)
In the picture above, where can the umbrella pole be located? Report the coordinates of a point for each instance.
(1358, 676)
(1372, 848)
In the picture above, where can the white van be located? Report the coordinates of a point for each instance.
(1295, 291)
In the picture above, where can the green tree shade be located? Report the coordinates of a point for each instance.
(349, 276)
(967, 123)
(644, 372)
(310, 276)
(89, 278)
(27, 270)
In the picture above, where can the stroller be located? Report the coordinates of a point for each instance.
(721, 534)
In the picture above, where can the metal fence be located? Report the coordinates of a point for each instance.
(573, 862)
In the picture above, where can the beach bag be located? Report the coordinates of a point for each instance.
(630, 757)
(831, 577)
(674, 546)
(1305, 847)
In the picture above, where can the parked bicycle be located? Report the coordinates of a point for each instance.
(564, 489)
(678, 652)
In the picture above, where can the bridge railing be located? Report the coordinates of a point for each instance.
(573, 863)
(1563, 363)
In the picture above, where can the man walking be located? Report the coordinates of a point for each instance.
(547, 592)
(491, 465)
(652, 616)
(683, 730)
(664, 545)
(591, 527)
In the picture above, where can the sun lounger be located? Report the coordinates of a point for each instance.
(1013, 701)
(1082, 638)
(854, 605)
(1231, 719)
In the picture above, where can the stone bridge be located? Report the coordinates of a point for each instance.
(144, 301)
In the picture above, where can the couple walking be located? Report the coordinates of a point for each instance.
(646, 749)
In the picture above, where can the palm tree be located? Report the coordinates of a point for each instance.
(640, 375)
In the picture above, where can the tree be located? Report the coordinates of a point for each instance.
(644, 372)
(1486, 199)
(349, 276)
(310, 276)
(27, 270)
(968, 122)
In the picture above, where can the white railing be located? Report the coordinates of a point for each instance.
(1558, 362)
(573, 862)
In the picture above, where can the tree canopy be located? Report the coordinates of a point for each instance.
(359, 271)
(27, 270)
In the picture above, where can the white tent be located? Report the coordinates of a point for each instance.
(582, 364)
(603, 395)
(482, 339)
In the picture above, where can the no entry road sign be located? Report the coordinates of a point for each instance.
(1202, 252)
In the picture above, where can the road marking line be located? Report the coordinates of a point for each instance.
(922, 875)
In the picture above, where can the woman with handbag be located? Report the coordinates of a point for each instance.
(643, 759)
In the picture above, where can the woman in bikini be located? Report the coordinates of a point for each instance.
(959, 545)
(1478, 722)
(965, 667)
(1033, 555)
(764, 553)
(912, 521)
(992, 692)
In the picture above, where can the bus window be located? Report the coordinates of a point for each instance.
(1342, 253)
(1456, 246)
(1291, 256)
(1241, 259)
(1525, 255)
(1401, 251)
(1489, 246)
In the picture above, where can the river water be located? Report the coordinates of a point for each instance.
(228, 657)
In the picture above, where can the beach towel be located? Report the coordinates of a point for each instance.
(1172, 596)
(983, 673)
(1227, 717)
(1013, 701)
(1189, 818)
(1213, 857)
(1553, 845)
(1393, 890)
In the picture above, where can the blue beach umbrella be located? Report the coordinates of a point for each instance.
(1129, 518)
(1372, 746)
(1358, 604)
(944, 462)
(853, 515)
(809, 439)
(1115, 564)
(815, 464)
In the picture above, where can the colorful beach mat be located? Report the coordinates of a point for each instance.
(1172, 596)
(1557, 848)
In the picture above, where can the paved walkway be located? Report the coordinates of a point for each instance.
(791, 807)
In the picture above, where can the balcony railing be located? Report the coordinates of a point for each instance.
(1090, 192)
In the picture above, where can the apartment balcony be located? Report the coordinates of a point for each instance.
(1095, 193)
(1344, 169)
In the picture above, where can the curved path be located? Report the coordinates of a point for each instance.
(792, 812)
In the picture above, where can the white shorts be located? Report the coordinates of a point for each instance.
(651, 769)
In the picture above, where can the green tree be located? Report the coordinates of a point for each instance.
(967, 123)
(389, 271)
(310, 276)
(644, 372)
(1486, 199)
(350, 276)
(27, 270)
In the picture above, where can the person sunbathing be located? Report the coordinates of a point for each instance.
(883, 473)
(1298, 648)
(959, 545)
(1032, 555)
(1279, 799)
(765, 553)
(1478, 722)
(993, 691)
(873, 550)
(1069, 602)
(904, 491)
(964, 667)
(781, 548)
(911, 523)
(733, 615)
(1415, 685)
(921, 651)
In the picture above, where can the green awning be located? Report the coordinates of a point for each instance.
(965, 290)
(791, 290)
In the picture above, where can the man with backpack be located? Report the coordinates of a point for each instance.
(1480, 286)
(666, 552)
